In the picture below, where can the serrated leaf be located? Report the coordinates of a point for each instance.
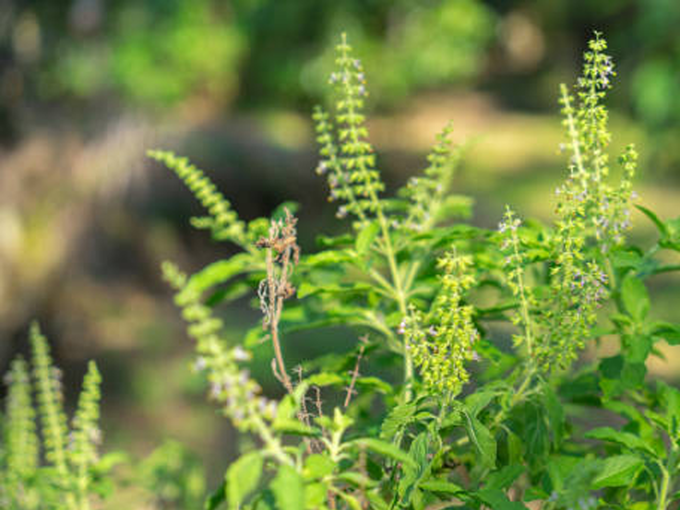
(635, 297)
(477, 401)
(413, 474)
(398, 418)
(554, 413)
(637, 347)
(625, 439)
(504, 478)
(386, 449)
(242, 478)
(366, 237)
(626, 258)
(218, 272)
(618, 471)
(288, 489)
(483, 440)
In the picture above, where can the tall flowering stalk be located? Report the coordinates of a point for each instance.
(514, 263)
(230, 385)
(350, 162)
(592, 217)
(444, 341)
(85, 436)
(20, 438)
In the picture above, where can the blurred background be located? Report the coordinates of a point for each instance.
(86, 86)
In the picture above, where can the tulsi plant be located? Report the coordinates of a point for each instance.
(436, 406)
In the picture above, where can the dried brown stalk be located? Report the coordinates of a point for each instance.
(282, 255)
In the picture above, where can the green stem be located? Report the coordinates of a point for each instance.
(400, 295)
(271, 443)
(665, 486)
(524, 304)
(517, 397)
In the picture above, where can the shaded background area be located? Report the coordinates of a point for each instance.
(86, 86)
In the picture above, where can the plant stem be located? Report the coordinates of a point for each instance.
(400, 295)
(516, 397)
(271, 443)
(665, 485)
(276, 304)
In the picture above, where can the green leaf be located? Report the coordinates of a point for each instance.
(620, 374)
(328, 257)
(534, 494)
(444, 486)
(399, 417)
(323, 241)
(307, 288)
(218, 272)
(554, 413)
(280, 212)
(315, 496)
(374, 384)
(484, 442)
(317, 466)
(635, 297)
(386, 449)
(366, 237)
(668, 331)
(325, 379)
(288, 489)
(670, 402)
(296, 428)
(625, 439)
(514, 446)
(351, 501)
(376, 501)
(661, 227)
(637, 347)
(504, 478)
(216, 498)
(478, 400)
(536, 433)
(618, 471)
(356, 479)
(626, 258)
(242, 478)
(497, 500)
(413, 474)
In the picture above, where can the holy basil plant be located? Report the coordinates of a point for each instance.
(463, 386)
